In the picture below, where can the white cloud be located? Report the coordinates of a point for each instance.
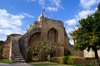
(70, 37)
(52, 8)
(10, 23)
(71, 22)
(3, 12)
(84, 13)
(51, 4)
(86, 4)
(16, 16)
(6, 24)
(69, 30)
(81, 14)
(28, 15)
(55, 2)
(8, 31)
(17, 22)
(8, 20)
(42, 2)
(5, 32)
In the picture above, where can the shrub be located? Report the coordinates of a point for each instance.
(66, 52)
(70, 59)
(78, 61)
(55, 59)
(84, 61)
(62, 59)
(65, 59)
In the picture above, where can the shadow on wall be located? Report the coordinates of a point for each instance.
(1, 54)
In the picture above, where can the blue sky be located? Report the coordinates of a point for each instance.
(16, 15)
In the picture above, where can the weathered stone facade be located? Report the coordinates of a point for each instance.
(44, 29)
(6, 49)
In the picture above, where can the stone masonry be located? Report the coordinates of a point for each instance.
(16, 46)
(11, 49)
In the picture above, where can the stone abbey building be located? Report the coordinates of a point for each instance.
(16, 45)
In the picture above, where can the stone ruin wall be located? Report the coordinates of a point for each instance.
(6, 49)
(62, 36)
(44, 25)
(71, 49)
(56, 25)
(24, 41)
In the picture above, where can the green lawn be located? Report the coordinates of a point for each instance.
(5, 61)
(48, 64)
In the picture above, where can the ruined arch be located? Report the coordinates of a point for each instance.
(33, 38)
(52, 35)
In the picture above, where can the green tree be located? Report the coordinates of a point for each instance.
(1, 45)
(88, 34)
(99, 7)
(46, 47)
(30, 27)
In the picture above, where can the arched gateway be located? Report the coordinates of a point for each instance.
(44, 29)
(34, 38)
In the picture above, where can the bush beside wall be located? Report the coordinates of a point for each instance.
(74, 60)
(84, 61)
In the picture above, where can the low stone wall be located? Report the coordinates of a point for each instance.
(74, 60)
(90, 53)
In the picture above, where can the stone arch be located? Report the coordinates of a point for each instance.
(33, 38)
(52, 35)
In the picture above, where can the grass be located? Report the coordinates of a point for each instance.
(5, 61)
(48, 64)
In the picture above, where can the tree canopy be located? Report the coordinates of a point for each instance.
(88, 33)
(99, 7)
(46, 47)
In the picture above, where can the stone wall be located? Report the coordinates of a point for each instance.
(7, 46)
(49, 24)
(71, 49)
(24, 42)
(6, 49)
(52, 30)
(90, 53)
(49, 29)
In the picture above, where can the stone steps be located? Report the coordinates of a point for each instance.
(16, 56)
(18, 61)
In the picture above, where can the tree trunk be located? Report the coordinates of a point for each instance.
(73, 37)
(96, 57)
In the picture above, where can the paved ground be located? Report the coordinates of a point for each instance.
(4, 64)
